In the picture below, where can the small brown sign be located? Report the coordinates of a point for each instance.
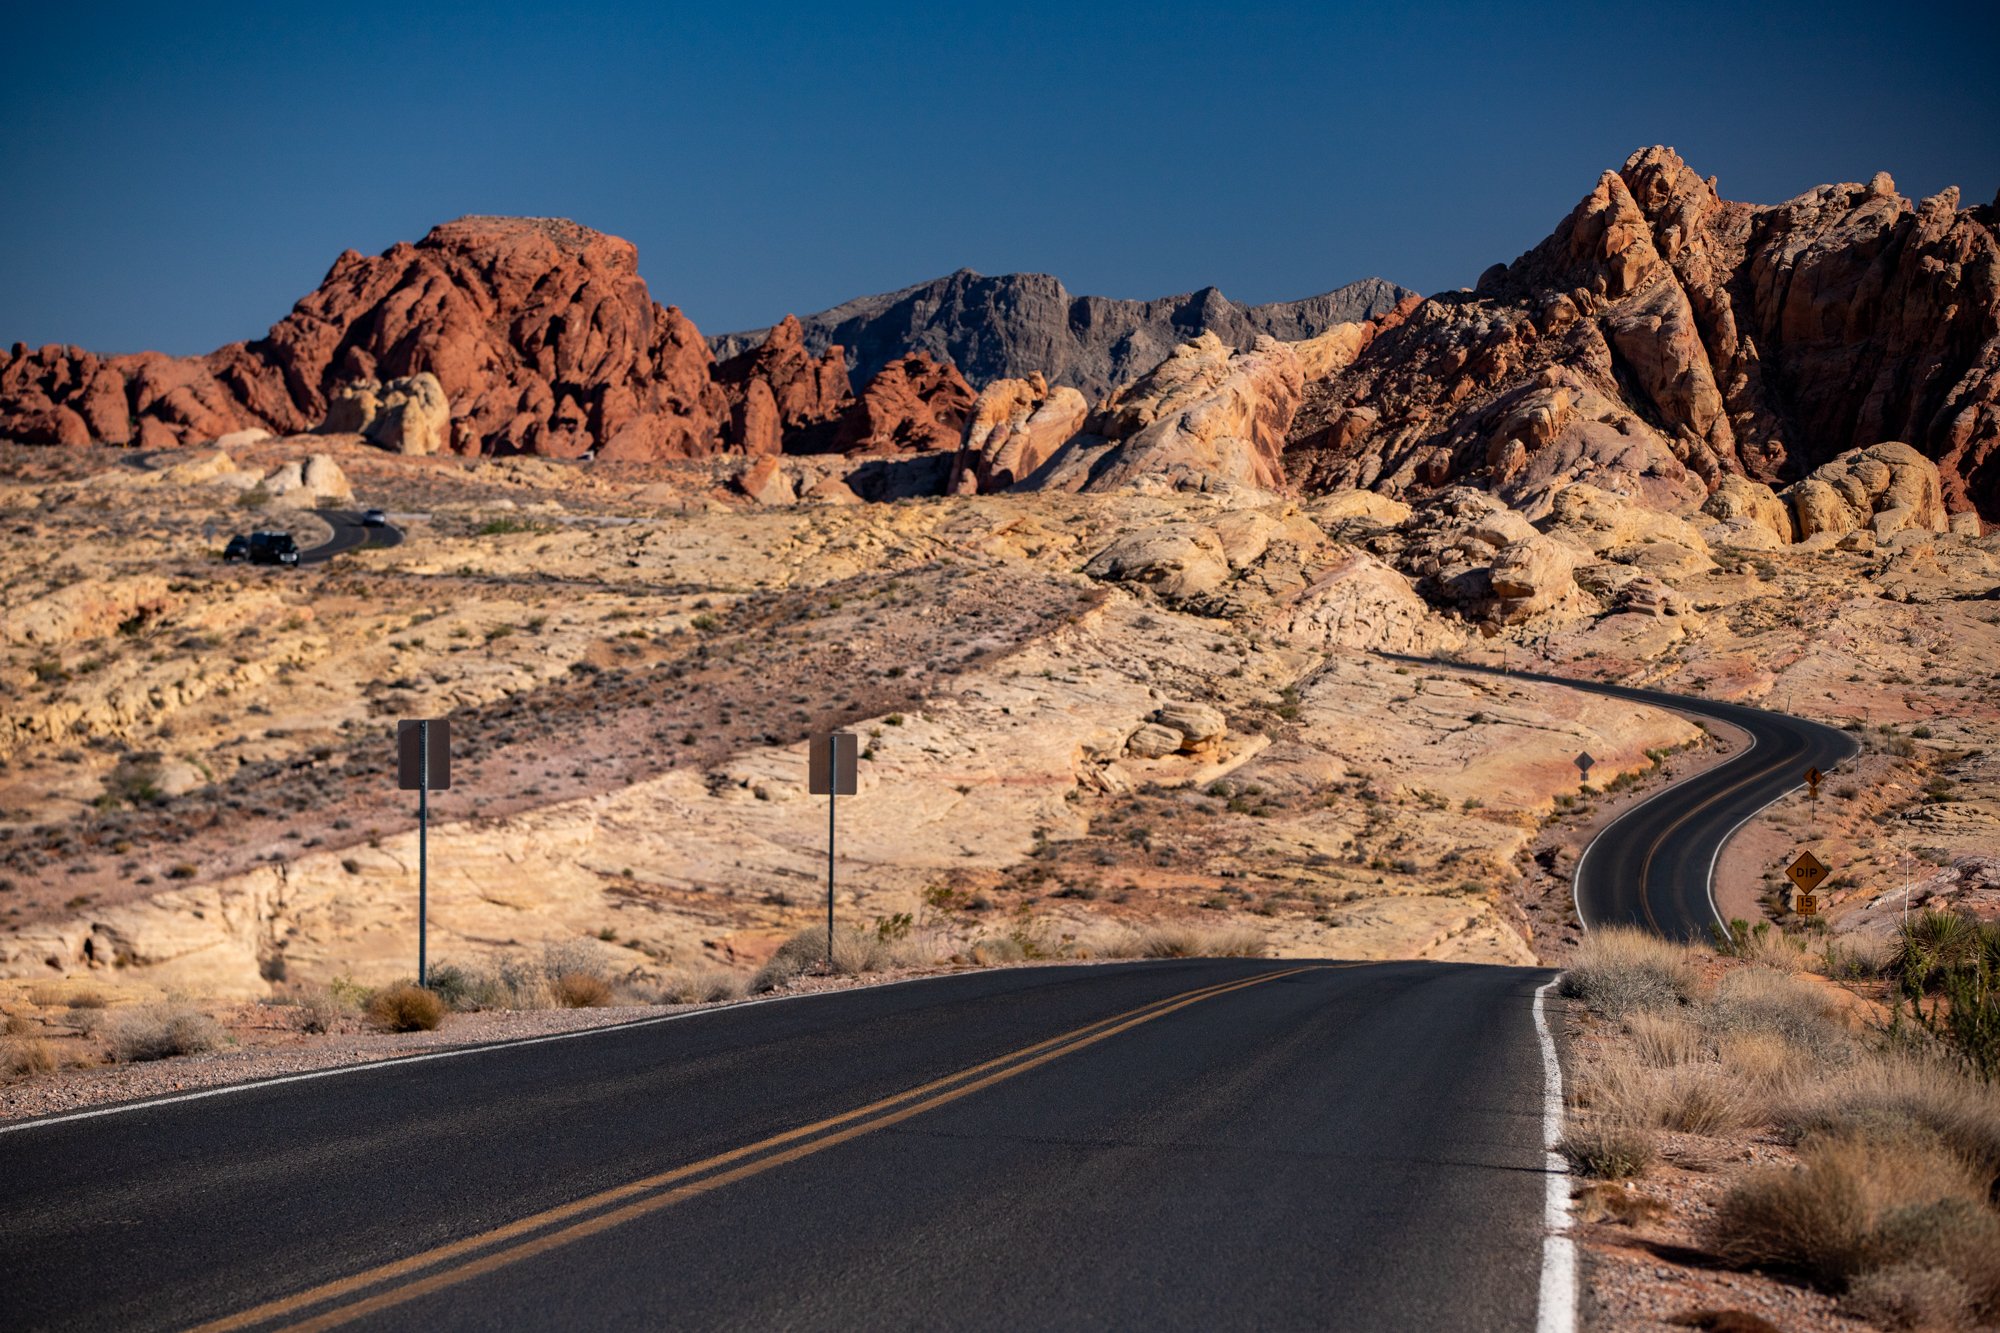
(1806, 872)
(410, 757)
(1584, 763)
(1805, 904)
(833, 769)
(1814, 777)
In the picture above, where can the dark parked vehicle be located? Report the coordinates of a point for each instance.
(374, 518)
(263, 548)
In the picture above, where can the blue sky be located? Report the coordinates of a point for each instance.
(177, 178)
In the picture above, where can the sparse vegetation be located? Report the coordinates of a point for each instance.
(1618, 971)
(160, 1031)
(405, 1007)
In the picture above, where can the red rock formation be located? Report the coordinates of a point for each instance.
(914, 406)
(1664, 337)
(778, 388)
(540, 331)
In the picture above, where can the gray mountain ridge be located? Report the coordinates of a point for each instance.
(1017, 323)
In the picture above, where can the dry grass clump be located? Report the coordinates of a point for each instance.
(1759, 1000)
(1663, 1041)
(854, 951)
(1176, 939)
(159, 1031)
(1868, 1203)
(405, 1007)
(1609, 1147)
(1619, 971)
(698, 985)
(24, 1057)
(1691, 1097)
(580, 990)
(1907, 1095)
(321, 1008)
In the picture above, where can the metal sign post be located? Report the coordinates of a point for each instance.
(423, 764)
(832, 771)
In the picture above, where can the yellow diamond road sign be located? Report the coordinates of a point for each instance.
(1813, 777)
(1806, 872)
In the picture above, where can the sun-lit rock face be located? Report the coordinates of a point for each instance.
(1664, 338)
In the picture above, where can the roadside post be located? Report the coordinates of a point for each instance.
(423, 765)
(1805, 873)
(833, 771)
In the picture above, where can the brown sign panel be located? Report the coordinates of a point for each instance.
(834, 766)
(1814, 777)
(1806, 904)
(1806, 872)
(410, 773)
(1584, 763)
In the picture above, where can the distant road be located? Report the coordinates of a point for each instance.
(1197, 1144)
(349, 534)
(1654, 865)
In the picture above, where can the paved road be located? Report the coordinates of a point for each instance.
(1652, 867)
(1190, 1144)
(349, 533)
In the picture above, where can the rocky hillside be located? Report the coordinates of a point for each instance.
(1664, 337)
(528, 335)
(1019, 324)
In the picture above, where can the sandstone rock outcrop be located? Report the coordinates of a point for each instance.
(1468, 550)
(1664, 338)
(1015, 426)
(1019, 324)
(1883, 489)
(1741, 505)
(409, 416)
(916, 405)
(1207, 416)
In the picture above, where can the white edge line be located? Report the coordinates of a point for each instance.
(1576, 873)
(480, 1048)
(1737, 827)
(1556, 1299)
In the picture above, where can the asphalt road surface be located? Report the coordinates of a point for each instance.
(1653, 867)
(1193, 1144)
(349, 533)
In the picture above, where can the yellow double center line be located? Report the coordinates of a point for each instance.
(391, 1284)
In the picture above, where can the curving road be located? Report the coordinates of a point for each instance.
(1654, 865)
(1192, 1144)
(349, 534)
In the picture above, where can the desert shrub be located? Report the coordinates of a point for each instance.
(86, 999)
(581, 990)
(698, 985)
(21, 1057)
(321, 1009)
(1704, 1100)
(994, 950)
(1912, 1296)
(854, 951)
(1176, 939)
(460, 987)
(405, 1007)
(1608, 1147)
(1662, 1040)
(1618, 971)
(158, 1031)
(1903, 1094)
(1755, 999)
(569, 957)
(1933, 944)
(1858, 1202)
